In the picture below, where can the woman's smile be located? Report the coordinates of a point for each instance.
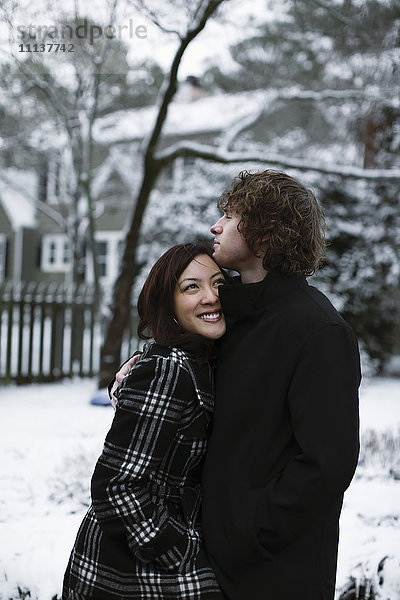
(211, 317)
(196, 298)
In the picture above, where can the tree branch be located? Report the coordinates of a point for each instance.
(341, 18)
(154, 19)
(334, 12)
(171, 84)
(294, 93)
(217, 155)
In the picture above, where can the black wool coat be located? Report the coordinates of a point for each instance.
(141, 537)
(285, 443)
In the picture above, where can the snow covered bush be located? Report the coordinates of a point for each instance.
(380, 452)
(361, 273)
(382, 584)
(24, 594)
(71, 482)
(358, 590)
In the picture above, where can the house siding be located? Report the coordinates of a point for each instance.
(31, 249)
(7, 234)
(114, 219)
(5, 225)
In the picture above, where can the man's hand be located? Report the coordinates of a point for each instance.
(123, 372)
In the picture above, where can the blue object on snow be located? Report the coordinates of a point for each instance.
(101, 398)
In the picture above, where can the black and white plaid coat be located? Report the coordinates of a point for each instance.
(141, 537)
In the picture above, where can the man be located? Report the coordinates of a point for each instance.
(284, 445)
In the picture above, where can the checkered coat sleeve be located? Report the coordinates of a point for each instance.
(151, 405)
(143, 527)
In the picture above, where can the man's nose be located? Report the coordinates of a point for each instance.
(216, 228)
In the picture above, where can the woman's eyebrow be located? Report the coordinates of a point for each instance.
(197, 279)
(189, 279)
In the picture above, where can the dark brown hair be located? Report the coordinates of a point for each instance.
(279, 213)
(156, 302)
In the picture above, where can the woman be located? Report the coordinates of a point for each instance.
(141, 537)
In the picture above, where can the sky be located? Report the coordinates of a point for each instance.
(236, 19)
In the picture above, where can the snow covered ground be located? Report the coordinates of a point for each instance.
(50, 437)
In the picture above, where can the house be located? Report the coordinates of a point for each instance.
(35, 219)
(34, 207)
(37, 224)
(19, 235)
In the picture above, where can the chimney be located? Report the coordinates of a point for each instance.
(190, 90)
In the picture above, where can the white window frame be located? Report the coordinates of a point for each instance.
(58, 179)
(3, 256)
(53, 180)
(55, 243)
(112, 239)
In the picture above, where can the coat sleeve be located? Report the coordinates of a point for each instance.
(323, 405)
(112, 381)
(150, 404)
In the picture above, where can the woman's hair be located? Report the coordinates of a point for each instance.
(278, 216)
(155, 305)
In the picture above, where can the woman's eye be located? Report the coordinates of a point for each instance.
(220, 281)
(191, 286)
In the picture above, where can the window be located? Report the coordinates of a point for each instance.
(56, 180)
(56, 255)
(102, 250)
(65, 252)
(109, 245)
(52, 253)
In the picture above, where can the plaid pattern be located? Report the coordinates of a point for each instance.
(141, 537)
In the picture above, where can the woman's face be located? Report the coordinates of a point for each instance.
(196, 299)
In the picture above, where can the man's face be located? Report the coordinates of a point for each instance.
(230, 248)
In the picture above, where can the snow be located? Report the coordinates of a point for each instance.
(18, 188)
(43, 429)
(51, 436)
(380, 403)
(208, 114)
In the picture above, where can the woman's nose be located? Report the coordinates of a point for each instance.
(210, 296)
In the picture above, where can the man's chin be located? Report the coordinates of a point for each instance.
(222, 263)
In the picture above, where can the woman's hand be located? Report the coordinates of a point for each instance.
(122, 373)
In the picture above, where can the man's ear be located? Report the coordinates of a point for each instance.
(262, 246)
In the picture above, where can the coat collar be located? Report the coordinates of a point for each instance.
(202, 377)
(242, 298)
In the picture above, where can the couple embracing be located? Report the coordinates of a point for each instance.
(236, 430)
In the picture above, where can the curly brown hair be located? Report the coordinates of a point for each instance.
(279, 213)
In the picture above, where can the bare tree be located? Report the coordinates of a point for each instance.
(71, 110)
(155, 160)
(201, 12)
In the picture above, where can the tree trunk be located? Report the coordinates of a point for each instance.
(110, 354)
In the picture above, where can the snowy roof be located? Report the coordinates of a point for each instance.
(206, 115)
(17, 194)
